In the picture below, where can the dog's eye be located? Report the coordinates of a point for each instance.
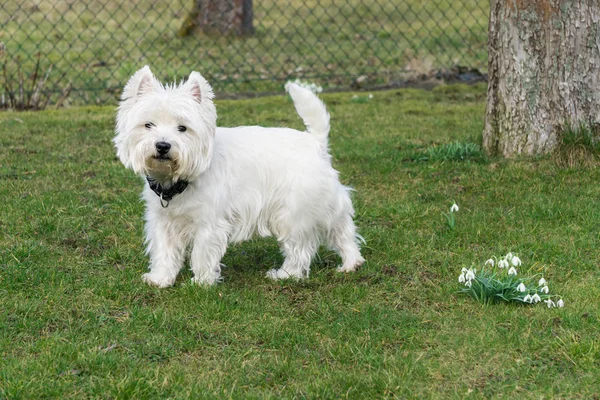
(181, 128)
(149, 125)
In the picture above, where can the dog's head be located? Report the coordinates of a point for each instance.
(166, 131)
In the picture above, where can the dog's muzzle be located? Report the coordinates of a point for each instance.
(162, 165)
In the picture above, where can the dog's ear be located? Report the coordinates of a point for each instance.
(198, 87)
(141, 83)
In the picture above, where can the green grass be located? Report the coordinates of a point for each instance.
(455, 151)
(76, 321)
(577, 146)
(98, 45)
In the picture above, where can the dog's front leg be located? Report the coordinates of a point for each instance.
(209, 247)
(166, 248)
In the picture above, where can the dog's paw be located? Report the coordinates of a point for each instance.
(351, 266)
(207, 280)
(158, 280)
(278, 274)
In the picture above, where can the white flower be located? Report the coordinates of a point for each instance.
(370, 96)
(527, 299)
(560, 303)
(502, 264)
(522, 288)
(512, 271)
(542, 282)
(509, 256)
(535, 298)
(550, 303)
(463, 270)
(468, 284)
(490, 261)
(454, 208)
(516, 261)
(461, 278)
(470, 275)
(544, 289)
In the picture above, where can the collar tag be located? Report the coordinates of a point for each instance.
(163, 203)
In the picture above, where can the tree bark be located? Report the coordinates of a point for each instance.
(219, 16)
(544, 70)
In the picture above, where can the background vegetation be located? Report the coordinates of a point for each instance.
(95, 46)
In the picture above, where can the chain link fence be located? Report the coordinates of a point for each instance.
(85, 50)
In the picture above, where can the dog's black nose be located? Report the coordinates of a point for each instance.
(163, 147)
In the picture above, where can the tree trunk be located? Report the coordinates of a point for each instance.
(544, 70)
(219, 16)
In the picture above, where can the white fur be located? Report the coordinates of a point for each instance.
(242, 181)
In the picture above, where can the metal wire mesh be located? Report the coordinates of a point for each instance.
(92, 47)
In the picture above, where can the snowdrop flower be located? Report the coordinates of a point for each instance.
(314, 88)
(470, 275)
(454, 208)
(486, 288)
(370, 96)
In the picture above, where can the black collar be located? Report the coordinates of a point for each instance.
(166, 194)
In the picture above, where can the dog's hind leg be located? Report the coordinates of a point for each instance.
(299, 252)
(344, 240)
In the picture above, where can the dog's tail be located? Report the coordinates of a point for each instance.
(312, 111)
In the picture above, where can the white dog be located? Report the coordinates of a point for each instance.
(208, 186)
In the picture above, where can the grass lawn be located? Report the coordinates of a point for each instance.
(76, 321)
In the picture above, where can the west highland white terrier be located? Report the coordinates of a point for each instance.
(208, 186)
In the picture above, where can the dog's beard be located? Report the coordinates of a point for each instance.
(161, 169)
